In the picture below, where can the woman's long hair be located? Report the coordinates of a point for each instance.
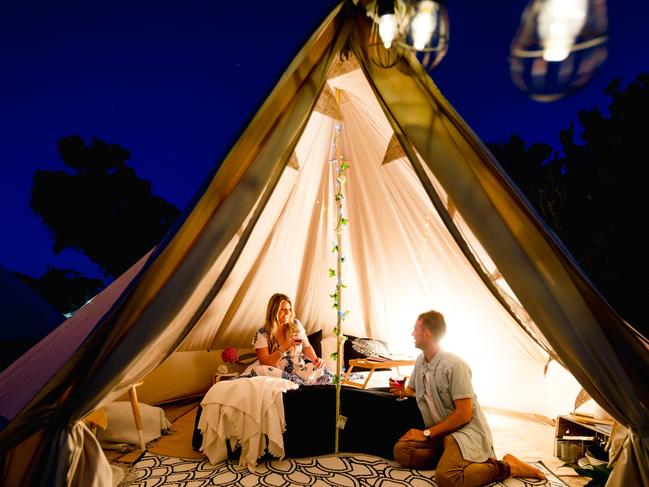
(272, 324)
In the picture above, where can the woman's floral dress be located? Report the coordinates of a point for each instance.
(292, 365)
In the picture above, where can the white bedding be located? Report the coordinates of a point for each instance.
(249, 412)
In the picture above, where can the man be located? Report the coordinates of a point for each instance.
(457, 438)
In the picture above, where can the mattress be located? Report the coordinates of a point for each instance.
(375, 420)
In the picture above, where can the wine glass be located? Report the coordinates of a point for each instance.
(296, 340)
(400, 382)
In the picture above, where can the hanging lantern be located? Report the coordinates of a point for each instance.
(427, 31)
(558, 47)
(385, 47)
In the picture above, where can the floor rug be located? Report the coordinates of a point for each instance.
(342, 470)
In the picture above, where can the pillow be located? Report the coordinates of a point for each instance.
(121, 430)
(328, 347)
(315, 339)
(356, 347)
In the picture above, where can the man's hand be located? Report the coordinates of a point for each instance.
(413, 435)
(394, 387)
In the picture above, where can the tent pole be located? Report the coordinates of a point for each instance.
(338, 184)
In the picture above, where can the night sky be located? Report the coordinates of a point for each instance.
(176, 82)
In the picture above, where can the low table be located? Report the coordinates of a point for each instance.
(372, 365)
(575, 433)
(227, 376)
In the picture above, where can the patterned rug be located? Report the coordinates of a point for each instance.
(343, 470)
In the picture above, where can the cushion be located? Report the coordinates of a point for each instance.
(315, 339)
(328, 347)
(121, 429)
(356, 347)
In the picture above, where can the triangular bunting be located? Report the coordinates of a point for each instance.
(394, 150)
(327, 104)
(293, 163)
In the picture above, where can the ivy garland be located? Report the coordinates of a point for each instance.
(341, 166)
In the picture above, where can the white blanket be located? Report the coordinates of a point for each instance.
(246, 411)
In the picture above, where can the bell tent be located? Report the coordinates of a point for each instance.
(434, 223)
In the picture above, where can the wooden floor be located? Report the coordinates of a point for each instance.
(529, 438)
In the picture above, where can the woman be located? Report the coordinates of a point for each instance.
(282, 347)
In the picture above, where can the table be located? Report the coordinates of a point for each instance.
(575, 433)
(372, 365)
(219, 377)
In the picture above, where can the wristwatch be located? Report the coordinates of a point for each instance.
(427, 434)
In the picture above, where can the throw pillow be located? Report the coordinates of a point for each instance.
(315, 340)
(121, 431)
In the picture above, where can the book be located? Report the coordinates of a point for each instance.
(377, 358)
(387, 358)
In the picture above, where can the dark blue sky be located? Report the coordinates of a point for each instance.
(175, 83)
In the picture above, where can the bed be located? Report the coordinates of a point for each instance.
(375, 420)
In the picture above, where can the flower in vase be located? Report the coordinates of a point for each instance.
(229, 355)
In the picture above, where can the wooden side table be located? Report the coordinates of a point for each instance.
(219, 377)
(372, 365)
(574, 434)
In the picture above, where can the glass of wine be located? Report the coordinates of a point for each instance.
(297, 341)
(400, 383)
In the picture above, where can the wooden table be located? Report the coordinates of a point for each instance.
(574, 433)
(227, 376)
(372, 365)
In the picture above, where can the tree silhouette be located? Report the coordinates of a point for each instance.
(592, 194)
(605, 185)
(65, 289)
(101, 208)
(538, 176)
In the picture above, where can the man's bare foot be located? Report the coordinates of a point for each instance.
(521, 469)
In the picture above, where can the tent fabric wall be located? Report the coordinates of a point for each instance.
(608, 358)
(195, 291)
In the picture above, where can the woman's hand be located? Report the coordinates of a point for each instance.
(318, 362)
(413, 435)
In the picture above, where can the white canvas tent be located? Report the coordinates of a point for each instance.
(435, 223)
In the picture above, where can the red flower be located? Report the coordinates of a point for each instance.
(229, 355)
